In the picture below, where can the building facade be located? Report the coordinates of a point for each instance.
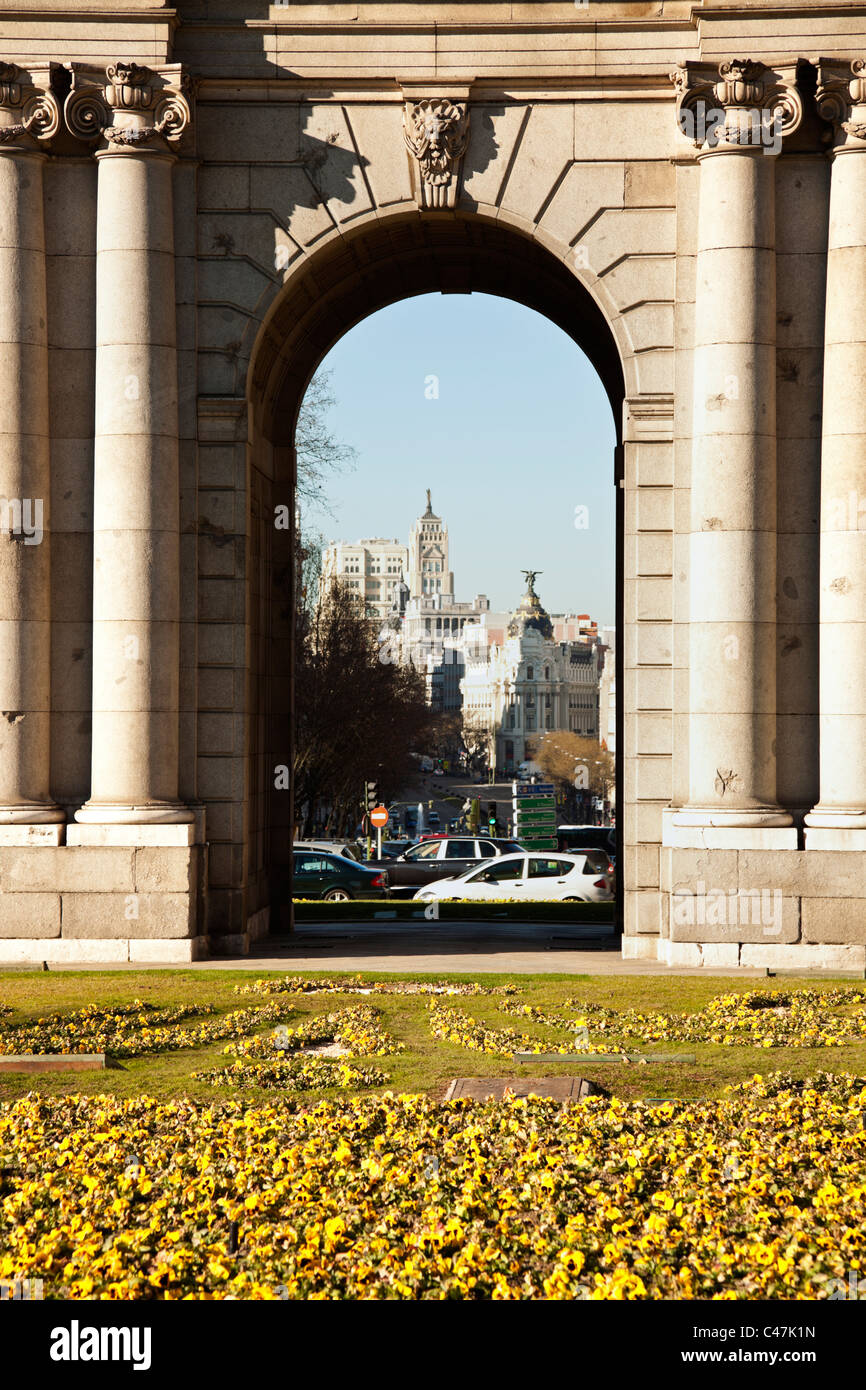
(197, 202)
(372, 568)
(528, 684)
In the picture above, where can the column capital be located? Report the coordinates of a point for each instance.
(738, 105)
(29, 113)
(841, 100)
(127, 106)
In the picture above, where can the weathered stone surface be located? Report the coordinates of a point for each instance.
(805, 957)
(29, 914)
(837, 920)
(113, 916)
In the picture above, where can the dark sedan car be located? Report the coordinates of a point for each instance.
(335, 878)
(440, 858)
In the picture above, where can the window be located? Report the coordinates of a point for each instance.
(301, 863)
(549, 868)
(503, 871)
(595, 863)
(428, 850)
(460, 849)
(530, 673)
(547, 673)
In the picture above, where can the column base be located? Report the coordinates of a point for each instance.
(836, 818)
(751, 817)
(151, 813)
(32, 813)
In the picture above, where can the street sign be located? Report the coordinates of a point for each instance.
(533, 788)
(533, 845)
(379, 816)
(533, 803)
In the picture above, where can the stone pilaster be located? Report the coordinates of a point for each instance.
(136, 116)
(841, 97)
(736, 118)
(29, 117)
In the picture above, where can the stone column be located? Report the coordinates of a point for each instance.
(737, 121)
(136, 117)
(841, 99)
(28, 115)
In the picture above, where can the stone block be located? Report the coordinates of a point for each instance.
(29, 914)
(174, 952)
(720, 917)
(167, 870)
(60, 952)
(838, 921)
(640, 948)
(728, 836)
(720, 956)
(834, 838)
(18, 835)
(112, 916)
(132, 835)
(67, 870)
(804, 956)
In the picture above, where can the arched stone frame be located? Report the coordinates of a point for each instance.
(351, 274)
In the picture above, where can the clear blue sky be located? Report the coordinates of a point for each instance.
(520, 435)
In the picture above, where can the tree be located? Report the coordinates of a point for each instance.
(575, 764)
(319, 452)
(358, 718)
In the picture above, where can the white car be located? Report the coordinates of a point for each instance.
(552, 877)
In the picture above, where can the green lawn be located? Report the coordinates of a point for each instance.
(427, 1064)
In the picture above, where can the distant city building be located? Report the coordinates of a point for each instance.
(607, 691)
(371, 568)
(516, 673)
(518, 688)
(428, 572)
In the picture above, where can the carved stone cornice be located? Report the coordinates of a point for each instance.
(435, 131)
(841, 100)
(29, 112)
(129, 106)
(739, 103)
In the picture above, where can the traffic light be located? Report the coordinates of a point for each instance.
(491, 814)
(371, 795)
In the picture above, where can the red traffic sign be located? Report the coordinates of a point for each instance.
(379, 816)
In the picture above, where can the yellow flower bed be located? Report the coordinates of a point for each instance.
(758, 1195)
(357, 1029)
(293, 1073)
(354, 984)
(756, 1018)
(454, 1026)
(128, 1030)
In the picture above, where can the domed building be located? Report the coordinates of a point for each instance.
(518, 689)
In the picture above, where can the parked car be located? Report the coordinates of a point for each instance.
(440, 858)
(433, 820)
(573, 838)
(340, 847)
(335, 877)
(391, 848)
(563, 878)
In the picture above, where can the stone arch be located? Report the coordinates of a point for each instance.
(358, 272)
(383, 259)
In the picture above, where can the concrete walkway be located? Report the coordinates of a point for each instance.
(465, 948)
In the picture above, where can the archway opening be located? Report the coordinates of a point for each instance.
(345, 282)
